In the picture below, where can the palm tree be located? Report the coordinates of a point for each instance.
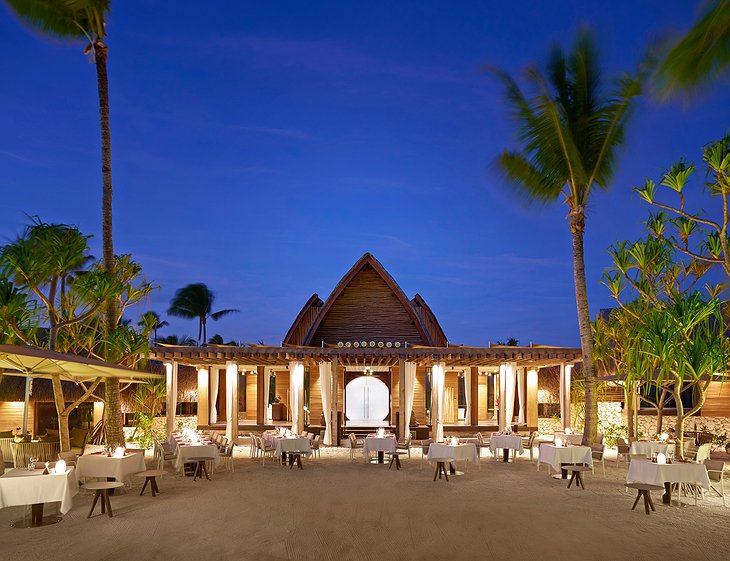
(699, 56)
(150, 323)
(568, 131)
(86, 20)
(196, 301)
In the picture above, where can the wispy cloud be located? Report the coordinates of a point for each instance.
(332, 57)
(14, 156)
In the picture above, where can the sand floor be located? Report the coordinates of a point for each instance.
(337, 509)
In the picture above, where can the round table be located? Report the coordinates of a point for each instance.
(101, 489)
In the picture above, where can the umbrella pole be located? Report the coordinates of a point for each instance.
(28, 382)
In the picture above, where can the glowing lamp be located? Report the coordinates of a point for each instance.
(60, 467)
(454, 441)
(567, 430)
(663, 437)
(118, 452)
(661, 458)
(558, 441)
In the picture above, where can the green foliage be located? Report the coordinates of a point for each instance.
(612, 432)
(195, 301)
(65, 19)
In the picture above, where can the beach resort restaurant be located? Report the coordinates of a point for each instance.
(366, 357)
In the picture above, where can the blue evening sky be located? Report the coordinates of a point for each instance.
(262, 148)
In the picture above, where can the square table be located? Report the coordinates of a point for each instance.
(646, 471)
(296, 444)
(101, 465)
(20, 487)
(556, 456)
(185, 453)
(466, 452)
(651, 448)
(379, 444)
(506, 442)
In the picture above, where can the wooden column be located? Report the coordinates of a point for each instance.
(474, 405)
(203, 399)
(260, 401)
(531, 398)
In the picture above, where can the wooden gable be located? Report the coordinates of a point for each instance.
(367, 305)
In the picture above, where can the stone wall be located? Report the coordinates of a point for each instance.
(547, 425)
(159, 424)
(714, 425)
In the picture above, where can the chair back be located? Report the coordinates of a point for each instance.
(597, 451)
(703, 453)
(599, 438)
(531, 440)
(714, 469)
(69, 457)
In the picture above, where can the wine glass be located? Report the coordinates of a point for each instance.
(32, 460)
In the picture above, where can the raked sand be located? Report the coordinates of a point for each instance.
(337, 509)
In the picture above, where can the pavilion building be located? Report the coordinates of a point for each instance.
(366, 357)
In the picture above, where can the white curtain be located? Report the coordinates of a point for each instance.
(171, 379)
(437, 401)
(232, 402)
(509, 392)
(409, 386)
(267, 390)
(214, 379)
(296, 396)
(467, 394)
(521, 394)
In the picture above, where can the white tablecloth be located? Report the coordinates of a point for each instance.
(187, 451)
(100, 465)
(467, 452)
(505, 441)
(646, 471)
(292, 445)
(649, 448)
(556, 455)
(20, 487)
(377, 444)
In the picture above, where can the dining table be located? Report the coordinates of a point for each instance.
(188, 449)
(654, 473)
(466, 452)
(285, 445)
(505, 442)
(22, 487)
(651, 448)
(379, 444)
(113, 468)
(559, 456)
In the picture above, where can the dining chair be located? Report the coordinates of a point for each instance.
(314, 445)
(529, 443)
(598, 454)
(716, 473)
(355, 443)
(404, 444)
(69, 457)
(622, 449)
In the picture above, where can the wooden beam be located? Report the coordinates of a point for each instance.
(261, 401)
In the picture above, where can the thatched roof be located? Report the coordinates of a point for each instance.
(12, 388)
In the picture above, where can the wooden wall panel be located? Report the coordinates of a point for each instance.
(367, 310)
(451, 388)
(251, 396)
(315, 396)
(419, 396)
(11, 416)
(717, 402)
(483, 402)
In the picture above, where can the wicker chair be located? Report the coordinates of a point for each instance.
(623, 449)
(265, 451)
(69, 457)
(716, 473)
(597, 453)
(163, 453)
(314, 445)
(227, 457)
(529, 444)
(355, 443)
(404, 444)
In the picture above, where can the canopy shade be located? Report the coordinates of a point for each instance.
(41, 363)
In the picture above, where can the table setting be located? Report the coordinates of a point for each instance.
(560, 453)
(663, 471)
(505, 441)
(191, 444)
(116, 464)
(379, 442)
(453, 450)
(38, 485)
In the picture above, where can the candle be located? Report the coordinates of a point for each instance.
(661, 458)
(60, 467)
(567, 430)
(558, 441)
(119, 452)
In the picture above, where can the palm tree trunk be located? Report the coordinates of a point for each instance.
(577, 227)
(114, 428)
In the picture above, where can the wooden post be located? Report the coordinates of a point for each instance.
(232, 401)
(260, 401)
(405, 424)
(203, 400)
(474, 405)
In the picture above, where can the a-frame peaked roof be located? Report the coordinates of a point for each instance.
(366, 305)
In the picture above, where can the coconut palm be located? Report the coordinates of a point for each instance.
(150, 323)
(196, 301)
(85, 20)
(701, 55)
(569, 130)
